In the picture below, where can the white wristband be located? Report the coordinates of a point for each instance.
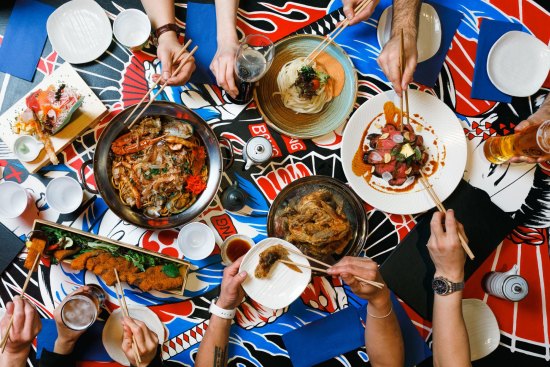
(221, 312)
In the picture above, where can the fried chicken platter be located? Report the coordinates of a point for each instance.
(144, 269)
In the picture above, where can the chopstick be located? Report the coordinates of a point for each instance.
(442, 209)
(178, 55)
(373, 283)
(124, 306)
(332, 35)
(152, 99)
(302, 265)
(23, 290)
(401, 72)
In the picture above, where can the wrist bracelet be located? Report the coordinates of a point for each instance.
(166, 28)
(380, 317)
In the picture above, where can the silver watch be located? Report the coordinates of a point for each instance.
(443, 286)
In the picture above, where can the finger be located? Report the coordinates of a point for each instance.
(136, 328)
(395, 77)
(233, 269)
(436, 225)
(6, 319)
(240, 278)
(364, 14)
(348, 9)
(408, 74)
(185, 73)
(165, 58)
(230, 80)
(126, 339)
(18, 314)
(524, 125)
(30, 316)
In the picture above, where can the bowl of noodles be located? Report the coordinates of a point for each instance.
(306, 99)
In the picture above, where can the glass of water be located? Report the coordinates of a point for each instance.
(252, 61)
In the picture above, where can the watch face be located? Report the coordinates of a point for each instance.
(440, 286)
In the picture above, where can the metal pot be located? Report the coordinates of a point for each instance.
(103, 159)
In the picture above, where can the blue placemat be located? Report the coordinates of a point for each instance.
(89, 346)
(428, 71)
(489, 32)
(24, 38)
(203, 34)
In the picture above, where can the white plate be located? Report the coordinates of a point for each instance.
(429, 31)
(283, 285)
(482, 327)
(440, 124)
(518, 64)
(113, 331)
(79, 31)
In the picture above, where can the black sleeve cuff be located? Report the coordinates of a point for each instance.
(51, 359)
(157, 361)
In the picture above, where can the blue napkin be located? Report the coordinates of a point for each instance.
(89, 346)
(489, 32)
(24, 38)
(203, 34)
(342, 332)
(428, 71)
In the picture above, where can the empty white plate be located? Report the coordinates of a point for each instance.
(79, 31)
(482, 327)
(518, 64)
(429, 31)
(113, 331)
(283, 285)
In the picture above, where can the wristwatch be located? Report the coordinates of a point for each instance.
(443, 286)
(221, 312)
(170, 27)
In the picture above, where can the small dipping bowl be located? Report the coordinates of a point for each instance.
(196, 240)
(14, 199)
(26, 148)
(64, 194)
(234, 247)
(132, 28)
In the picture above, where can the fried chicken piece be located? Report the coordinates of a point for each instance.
(79, 262)
(60, 255)
(268, 259)
(36, 249)
(154, 278)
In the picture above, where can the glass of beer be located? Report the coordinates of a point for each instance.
(533, 142)
(80, 310)
(252, 61)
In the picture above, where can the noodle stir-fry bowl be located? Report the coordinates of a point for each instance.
(302, 125)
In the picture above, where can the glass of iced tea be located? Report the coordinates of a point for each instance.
(234, 247)
(80, 310)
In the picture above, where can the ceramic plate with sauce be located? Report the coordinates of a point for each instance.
(443, 138)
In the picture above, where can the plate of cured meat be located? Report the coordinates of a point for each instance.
(383, 154)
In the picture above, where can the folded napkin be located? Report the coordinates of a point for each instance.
(203, 34)
(342, 332)
(89, 346)
(24, 38)
(428, 71)
(489, 32)
(408, 271)
(11, 247)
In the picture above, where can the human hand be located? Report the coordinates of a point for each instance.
(350, 5)
(26, 325)
(223, 66)
(533, 121)
(66, 337)
(167, 50)
(389, 60)
(445, 247)
(147, 342)
(232, 293)
(350, 267)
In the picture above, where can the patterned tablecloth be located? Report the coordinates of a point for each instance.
(120, 78)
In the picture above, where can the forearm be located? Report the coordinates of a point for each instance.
(450, 338)
(160, 12)
(383, 338)
(14, 360)
(226, 20)
(405, 17)
(213, 347)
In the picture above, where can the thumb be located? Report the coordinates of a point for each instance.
(523, 125)
(126, 337)
(166, 63)
(348, 10)
(240, 278)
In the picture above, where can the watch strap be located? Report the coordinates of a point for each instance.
(221, 312)
(166, 28)
(451, 287)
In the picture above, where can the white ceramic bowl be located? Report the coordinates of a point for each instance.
(482, 327)
(26, 148)
(223, 248)
(196, 240)
(14, 199)
(64, 194)
(132, 28)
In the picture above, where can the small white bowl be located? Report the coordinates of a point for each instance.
(64, 194)
(225, 245)
(132, 28)
(482, 328)
(14, 199)
(26, 148)
(196, 240)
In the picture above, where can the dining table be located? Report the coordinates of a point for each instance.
(120, 77)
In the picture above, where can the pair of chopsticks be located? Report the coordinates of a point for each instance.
(373, 283)
(23, 290)
(401, 72)
(330, 38)
(122, 302)
(152, 99)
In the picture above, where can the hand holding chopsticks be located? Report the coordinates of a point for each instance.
(122, 302)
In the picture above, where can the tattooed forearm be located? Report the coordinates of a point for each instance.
(220, 356)
(405, 16)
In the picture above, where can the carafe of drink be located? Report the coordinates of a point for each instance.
(252, 61)
(532, 142)
(80, 310)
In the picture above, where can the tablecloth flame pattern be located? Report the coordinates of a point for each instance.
(122, 78)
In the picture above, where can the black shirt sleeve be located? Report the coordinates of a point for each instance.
(51, 359)
(157, 361)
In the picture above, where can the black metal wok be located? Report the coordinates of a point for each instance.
(103, 159)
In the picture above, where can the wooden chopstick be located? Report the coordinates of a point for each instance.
(442, 209)
(124, 306)
(308, 257)
(401, 72)
(332, 35)
(302, 265)
(23, 290)
(180, 66)
(178, 55)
